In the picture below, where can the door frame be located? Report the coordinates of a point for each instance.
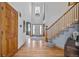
(32, 29)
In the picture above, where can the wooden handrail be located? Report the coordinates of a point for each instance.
(61, 16)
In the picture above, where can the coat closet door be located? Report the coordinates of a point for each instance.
(15, 29)
(12, 30)
(0, 42)
(0, 39)
(1, 26)
(0, 29)
(8, 31)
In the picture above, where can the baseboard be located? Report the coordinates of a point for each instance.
(22, 46)
(59, 47)
(19, 48)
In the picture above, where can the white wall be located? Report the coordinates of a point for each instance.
(37, 19)
(53, 10)
(28, 11)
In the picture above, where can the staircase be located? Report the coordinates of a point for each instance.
(59, 31)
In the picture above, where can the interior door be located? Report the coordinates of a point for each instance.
(10, 31)
(0, 40)
(0, 35)
(28, 28)
(15, 29)
(0, 30)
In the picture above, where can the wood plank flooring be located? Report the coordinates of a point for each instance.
(37, 47)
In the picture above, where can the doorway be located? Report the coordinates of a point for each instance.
(28, 28)
(37, 30)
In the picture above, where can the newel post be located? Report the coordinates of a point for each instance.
(46, 35)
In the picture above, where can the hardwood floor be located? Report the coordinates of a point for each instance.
(37, 47)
